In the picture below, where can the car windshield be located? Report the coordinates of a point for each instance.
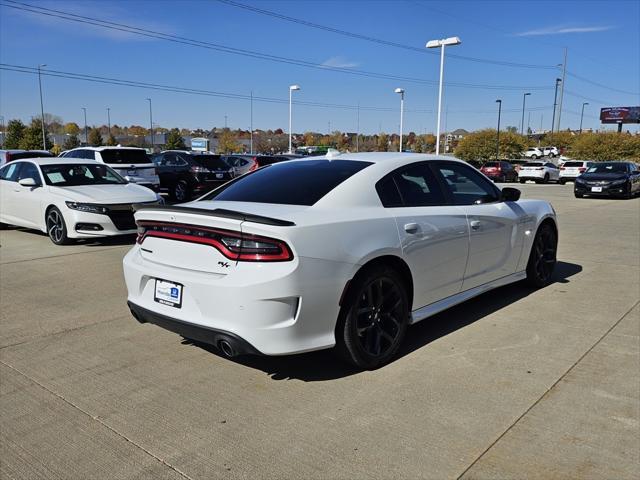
(289, 183)
(124, 155)
(533, 164)
(573, 164)
(491, 164)
(612, 167)
(74, 175)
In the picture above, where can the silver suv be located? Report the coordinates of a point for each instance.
(131, 163)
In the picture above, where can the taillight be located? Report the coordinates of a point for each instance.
(8, 157)
(562, 168)
(233, 245)
(254, 166)
(582, 169)
(198, 169)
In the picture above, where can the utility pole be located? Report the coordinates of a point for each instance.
(151, 124)
(358, 129)
(44, 136)
(225, 122)
(582, 115)
(555, 103)
(564, 74)
(251, 122)
(524, 97)
(499, 102)
(86, 136)
(109, 120)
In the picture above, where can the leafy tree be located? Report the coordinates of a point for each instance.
(227, 142)
(512, 129)
(71, 142)
(71, 128)
(137, 130)
(32, 139)
(383, 143)
(606, 146)
(562, 140)
(310, 139)
(481, 145)
(95, 139)
(111, 141)
(15, 132)
(174, 140)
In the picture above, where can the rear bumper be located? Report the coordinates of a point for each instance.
(199, 333)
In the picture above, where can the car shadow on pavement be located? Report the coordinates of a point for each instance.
(325, 365)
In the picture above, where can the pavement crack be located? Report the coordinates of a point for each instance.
(533, 405)
(97, 419)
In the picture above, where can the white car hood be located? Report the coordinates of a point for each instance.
(128, 193)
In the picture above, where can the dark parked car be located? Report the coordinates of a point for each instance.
(187, 174)
(247, 163)
(500, 171)
(610, 179)
(7, 156)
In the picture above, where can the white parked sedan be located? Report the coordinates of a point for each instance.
(346, 250)
(69, 199)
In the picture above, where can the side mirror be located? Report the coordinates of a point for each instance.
(510, 194)
(27, 182)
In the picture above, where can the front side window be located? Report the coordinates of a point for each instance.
(465, 185)
(10, 172)
(29, 170)
(415, 186)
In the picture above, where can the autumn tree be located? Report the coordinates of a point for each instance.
(227, 142)
(71, 128)
(32, 138)
(606, 146)
(481, 145)
(111, 141)
(71, 142)
(95, 139)
(383, 143)
(174, 140)
(15, 132)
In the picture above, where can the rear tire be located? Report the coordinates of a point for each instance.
(542, 259)
(562, 181)
(522, 180)
(373, 319)
(180, 191)
(546, 178)
(578, 195)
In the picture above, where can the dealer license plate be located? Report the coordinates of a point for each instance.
(168, 293)
(596, 189)
(219, 175)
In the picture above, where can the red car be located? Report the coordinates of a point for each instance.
(500, 171)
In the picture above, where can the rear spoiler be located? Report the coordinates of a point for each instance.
(218, 212)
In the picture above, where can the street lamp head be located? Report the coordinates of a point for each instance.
(444, 41)
(498, 101)
(526, 94)
(294, 87)
(585, 103)
(399, 90)
(558, 80)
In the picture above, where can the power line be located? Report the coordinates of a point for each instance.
(236, 51)
(607, 87)
(212, 93)
(347, 33)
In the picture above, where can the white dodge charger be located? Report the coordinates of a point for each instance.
(344, 251)
(69, 198)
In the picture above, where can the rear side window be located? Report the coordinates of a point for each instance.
(124, 155)
(290, 183)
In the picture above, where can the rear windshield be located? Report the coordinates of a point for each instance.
(608, 168)
(533, 164)
(491, 164)
(269, 160)
(289, 183)
(212, 162)
(573, 164)
(124, 155)
(74, 175)
(23, 155)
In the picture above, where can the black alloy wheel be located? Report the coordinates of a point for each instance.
(56, 227)
(542, 260)
(181, 191)
(374, 319)
(546, 178)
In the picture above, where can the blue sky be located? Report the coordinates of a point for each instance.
(602, 37)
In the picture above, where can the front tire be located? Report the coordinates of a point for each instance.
(56, 227)
(180, 191)
(374, 318)
(546, 178)
(542, 259)
(522, 180)
(562, 181)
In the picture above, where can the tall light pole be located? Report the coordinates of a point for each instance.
(291, 90)
(86, 135)
(109, 120)
(524, 97)
(582, 115)
(499, 102)
(564, 76)
(251, 123)
(151, 123)
(358, 128)
(401, 92)
(44, 136)
(435, 44)
(555, 103)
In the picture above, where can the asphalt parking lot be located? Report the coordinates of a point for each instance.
(513, 384)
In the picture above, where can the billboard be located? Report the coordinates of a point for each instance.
(620, 115)
(200, 144)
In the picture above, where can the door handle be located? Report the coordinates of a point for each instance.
(475, 224)
(411, 227)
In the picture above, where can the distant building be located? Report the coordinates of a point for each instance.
(451, 139)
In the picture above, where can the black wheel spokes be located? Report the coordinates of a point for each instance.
(378, 317)
(54, 226)
(545, 250)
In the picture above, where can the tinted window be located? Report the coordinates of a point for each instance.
(466, 186)
(10, 172)
(291, 183)
(29, 170)
(573, 164)
(124, 155)
(269, 160)
(22, 155)
(417, 186)
(388, 192)
(212, 162)
(491, 164)
(533, 164)
(550, 165)
(71, 175)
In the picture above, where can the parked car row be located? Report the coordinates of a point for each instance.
(539, 152)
